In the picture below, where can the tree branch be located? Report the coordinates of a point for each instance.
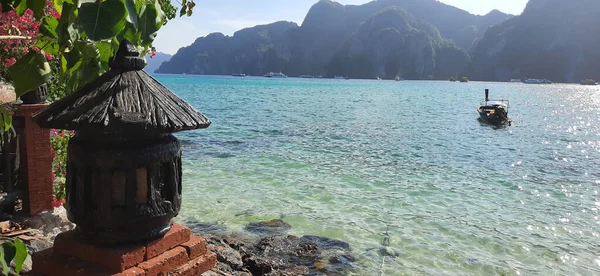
(19, 37)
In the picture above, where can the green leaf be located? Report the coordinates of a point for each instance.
(31, 71)
(20, 255)
(3, 264)
(50, 47)
(87, 50)
(86, 74)
(151, 19)
(106, 52)
(63, 64)
(183, 11)
(48, 27)
(9, 250)
(7, 119)
(102, 19)
(66, 30)
(132, 16)
(132, 35)
(21, 8)
(73, 61)
(37, 6)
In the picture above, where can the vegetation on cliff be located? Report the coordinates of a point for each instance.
(334, 36)
(552, 39)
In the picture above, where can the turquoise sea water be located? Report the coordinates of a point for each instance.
(354, 159)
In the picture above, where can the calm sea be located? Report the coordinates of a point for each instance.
(356, 159)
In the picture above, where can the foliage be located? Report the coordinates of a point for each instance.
(82, 35)
(13, 24)
(9, 251)
(56, 89)
(60, 141)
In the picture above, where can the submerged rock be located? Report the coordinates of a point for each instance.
(295, 271)
(344, 259)
(240, 254)
(271, 227)
(327, 243)
(198, 227)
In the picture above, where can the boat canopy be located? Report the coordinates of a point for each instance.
(495, 103)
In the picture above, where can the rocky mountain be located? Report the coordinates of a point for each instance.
(156, 61)
(553, 39)
(394, 43)
(252, 51)
(335, 35)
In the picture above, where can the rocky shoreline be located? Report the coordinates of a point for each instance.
(264, 248)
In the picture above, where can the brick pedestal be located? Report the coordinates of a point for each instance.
(36, 160)
(177, 253)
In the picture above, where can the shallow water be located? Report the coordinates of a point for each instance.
(354, 159)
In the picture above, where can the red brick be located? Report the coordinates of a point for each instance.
(196, 266)
(166, 262)
(45, 263)
(36, 170)
(195, 247)
(134, 271)
(176, 236)
(116, 259)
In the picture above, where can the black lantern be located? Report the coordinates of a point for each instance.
(124, 165)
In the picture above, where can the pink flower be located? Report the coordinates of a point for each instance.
(55, 14)
(58, 203)
(9, 62)
(48, 56)
(152, 53)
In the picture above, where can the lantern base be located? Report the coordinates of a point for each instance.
(177, 253)
(136, 232)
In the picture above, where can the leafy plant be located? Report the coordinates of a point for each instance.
(12, 250)
(82, 35)
(60, 141)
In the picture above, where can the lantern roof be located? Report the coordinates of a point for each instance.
(126, 98)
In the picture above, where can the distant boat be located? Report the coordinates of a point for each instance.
(275, 75)
(452, 79)
(494, 112)
(464, 79)
(399, 79)
(238, 75)
(338, 77)
(515, 80)
(307, 76)
(589, 82)
(378, 78)
(537, 81)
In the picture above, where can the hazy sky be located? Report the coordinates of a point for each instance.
(228, 16)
